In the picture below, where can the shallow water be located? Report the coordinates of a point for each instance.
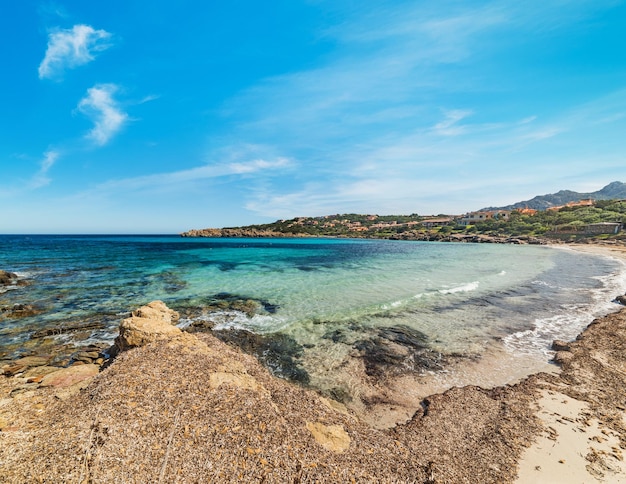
(329, 296)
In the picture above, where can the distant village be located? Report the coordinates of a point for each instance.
(582, 219)
(376, 223)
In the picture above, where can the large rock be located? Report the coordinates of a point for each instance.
(149, 323)
(157, 310)
(7, 278)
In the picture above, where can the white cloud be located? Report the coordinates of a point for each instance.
(180, 180)
(449, 126)
(256, 165)
(70, 48)
(41, 178)
(104, 111)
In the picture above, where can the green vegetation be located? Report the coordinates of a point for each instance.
(568, 220)
(566, 223)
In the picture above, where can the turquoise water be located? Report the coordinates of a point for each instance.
(462, 297)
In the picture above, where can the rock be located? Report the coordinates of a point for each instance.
(620, 300)
(87, 356)
(149, 323)
(558, 345)
(32, 361)
(66, 328)
(563, 357)
(332, 437)
(397, 349)
(7, 278)
(66, 377)
(39, 371)
(12, 370)
(3, 423)
(279, 352)
(19, 311)
(28, 365)
(72, 390)
(157, 310)
(23, 388)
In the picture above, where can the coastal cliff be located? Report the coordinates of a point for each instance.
(176, 406)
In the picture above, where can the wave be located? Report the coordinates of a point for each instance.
(571, 319)
(225, 320)
(471, 286)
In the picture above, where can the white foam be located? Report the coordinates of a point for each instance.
(224, 320)
(471, 286)
(572, 318)
(394, 304)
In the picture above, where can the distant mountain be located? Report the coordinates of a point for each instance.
(541, 202)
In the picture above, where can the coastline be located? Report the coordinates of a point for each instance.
(556, 425)
(583, 426)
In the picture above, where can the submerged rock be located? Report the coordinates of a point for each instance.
(277, 351)
(66, 328)
(223, 302)
(397, 349)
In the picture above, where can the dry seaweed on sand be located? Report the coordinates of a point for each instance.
(193, 409)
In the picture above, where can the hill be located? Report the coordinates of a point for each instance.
(614, 190)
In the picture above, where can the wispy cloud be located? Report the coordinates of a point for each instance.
(179, 180)
(70, 48)
(106, 114)
(41, 178)
(449, 126)
(367, 122)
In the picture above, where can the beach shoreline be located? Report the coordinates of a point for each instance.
(552, 426)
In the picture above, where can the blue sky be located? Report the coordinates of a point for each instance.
(133, 116)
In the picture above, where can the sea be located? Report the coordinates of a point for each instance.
(326, 296)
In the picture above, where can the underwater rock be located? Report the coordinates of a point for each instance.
(276, 351)
(66, 328)
(19, 311)
(395, 350)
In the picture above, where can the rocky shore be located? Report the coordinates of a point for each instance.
(408, 235)
(180, 407)
(236, 232)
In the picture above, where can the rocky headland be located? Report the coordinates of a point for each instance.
(180, 407)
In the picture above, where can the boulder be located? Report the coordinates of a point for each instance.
(558, 345)
(7, 278)
(153, 322)
(563, 357)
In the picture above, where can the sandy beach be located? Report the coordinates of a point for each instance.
(176, 407)
(583, 436)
